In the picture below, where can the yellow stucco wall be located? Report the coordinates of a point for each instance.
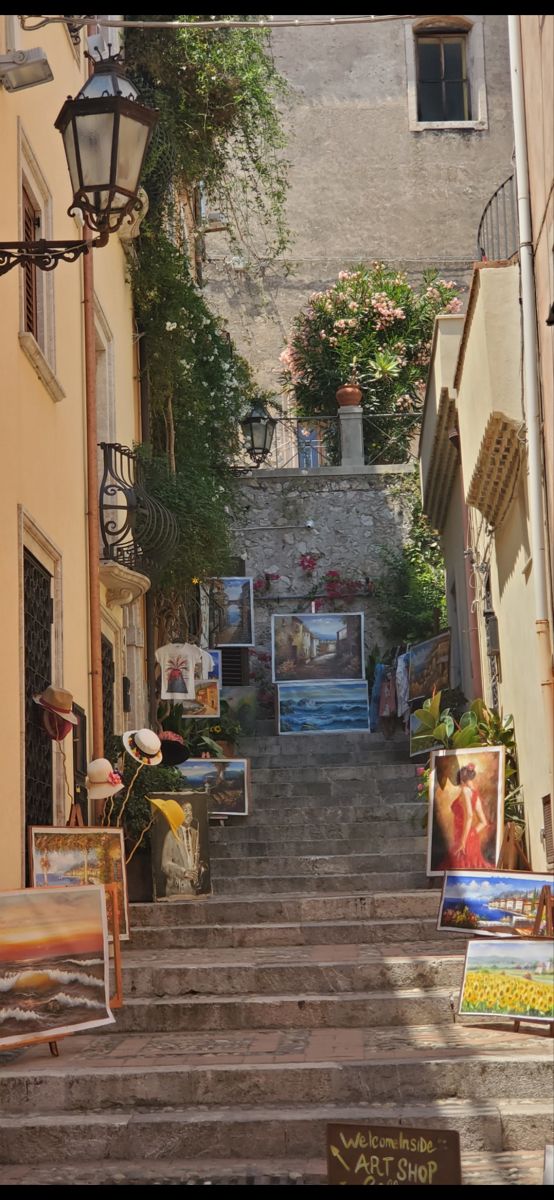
(43, 439)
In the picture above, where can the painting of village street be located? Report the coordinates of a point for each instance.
(231, 611)
(509, 978)
(498, 903)
(73, 857)
(318, 646)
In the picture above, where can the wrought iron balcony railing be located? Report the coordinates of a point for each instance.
(136, 530)
(497, 236)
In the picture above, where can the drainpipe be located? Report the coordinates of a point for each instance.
(531, 383)
(474, 649)
(92, 507)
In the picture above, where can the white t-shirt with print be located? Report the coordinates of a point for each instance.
(177, 663)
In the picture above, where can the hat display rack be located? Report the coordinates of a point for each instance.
(58, 719)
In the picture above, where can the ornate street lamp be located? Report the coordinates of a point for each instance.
(258, 429)
(106, 134)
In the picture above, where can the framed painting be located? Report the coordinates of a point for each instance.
(215, 673)
(323, 707)
(54, 963)
(206, 701)
(74, 857)
(497, 903)
(509, 978)
(317, 646)
(224, 781)
(429, 666)
(232, 611)
(466, 809)
(181, 860)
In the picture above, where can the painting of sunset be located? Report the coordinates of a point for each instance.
(54, 973)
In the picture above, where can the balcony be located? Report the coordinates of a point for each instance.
(138, 534)
(497, 236)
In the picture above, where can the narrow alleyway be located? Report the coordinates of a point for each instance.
(312, 987)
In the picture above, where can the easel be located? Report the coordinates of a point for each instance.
(511, 852)
(116, 1001)
(75, 817)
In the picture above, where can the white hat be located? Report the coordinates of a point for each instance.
(143, 745)
(102, 780)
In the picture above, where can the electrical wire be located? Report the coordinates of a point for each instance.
(269, 23)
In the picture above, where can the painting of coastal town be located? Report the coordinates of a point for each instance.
(232, 611)
(509, 978)
(54, 963)
(499, 902)
(429, 666)
(317, 646)
(223, 780)
(323, 707)
(73, 857)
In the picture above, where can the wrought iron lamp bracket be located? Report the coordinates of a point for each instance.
(42, 254)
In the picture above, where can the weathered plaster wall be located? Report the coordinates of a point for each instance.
(354, 516)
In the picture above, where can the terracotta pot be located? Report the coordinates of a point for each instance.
(348, 395)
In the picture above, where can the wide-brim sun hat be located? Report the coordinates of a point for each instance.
(144, 746)
(59, 701)
(174, 750)
(172, 811)
(102, 780)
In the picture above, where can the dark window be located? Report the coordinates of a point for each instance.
(31, 223)
(235, 667)
(108, 679)
(37, 625)
(80, 761)
(442, 83)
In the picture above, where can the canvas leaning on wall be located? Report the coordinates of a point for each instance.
(493, 903)
(74, 856)
(181, 860)
(54, 964)
(466, 809)
(509, 978)
(323, 707)
(429, 666)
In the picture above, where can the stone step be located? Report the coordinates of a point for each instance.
(153, 1139)
(240, 1067)
(330, 847)
(296, 744)
(254, 909)
(397, 773)
(262, 884)
(306, 933)
(330, 760)
(290, 970)
(344, 1010)
(316, 864)
(322, 816)
(523, 1167)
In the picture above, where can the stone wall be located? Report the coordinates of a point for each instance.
(354, 516)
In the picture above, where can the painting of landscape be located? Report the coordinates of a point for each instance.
(500, 903)
(74, 857)
(318, 646)
(509, 978)
(53, 963)
(223, 780)
(232, 611)
(323, 707)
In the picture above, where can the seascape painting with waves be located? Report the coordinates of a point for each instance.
(54, 967)
(323, 707)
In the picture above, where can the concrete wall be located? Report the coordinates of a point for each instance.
(364, 185)
(42, 428)
(354, 517)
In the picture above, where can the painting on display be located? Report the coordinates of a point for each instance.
(232, 611)
(317, 646)
(181, 860)
(466, 807)
(429, 666)
(54, 964)
(323, 707)
(73, 857)
(509, 978)
(243, 704)
(224, 781)
(501, 903)
(206, 700)
(215, 672)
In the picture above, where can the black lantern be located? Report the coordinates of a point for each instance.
(258, 429)
(106, 134)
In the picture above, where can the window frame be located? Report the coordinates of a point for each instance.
(441, 38)
(444, 26)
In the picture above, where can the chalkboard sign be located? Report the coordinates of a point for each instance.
(381, 1154)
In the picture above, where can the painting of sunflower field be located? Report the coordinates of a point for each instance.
(509, 978)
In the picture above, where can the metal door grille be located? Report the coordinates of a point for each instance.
(108, 679)
(37, 616)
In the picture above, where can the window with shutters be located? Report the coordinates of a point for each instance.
(36, 287)
(31, 230)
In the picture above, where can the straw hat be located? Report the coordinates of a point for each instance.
(59, 701)
(174, 750)
(172, 812)
(144, 746)
(102, 780)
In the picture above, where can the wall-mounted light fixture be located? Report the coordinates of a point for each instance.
(24, 69)
(106, 134)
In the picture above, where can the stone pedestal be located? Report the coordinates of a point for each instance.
(351, 436)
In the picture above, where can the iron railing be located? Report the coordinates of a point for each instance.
(497, 236)
(136, 530)
(312, 443)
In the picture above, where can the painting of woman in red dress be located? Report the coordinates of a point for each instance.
(466, 809)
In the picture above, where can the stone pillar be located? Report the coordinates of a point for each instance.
(351, 436)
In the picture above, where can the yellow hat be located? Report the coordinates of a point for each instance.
(172, 812)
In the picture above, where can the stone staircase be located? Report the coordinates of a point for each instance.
(312, 987)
